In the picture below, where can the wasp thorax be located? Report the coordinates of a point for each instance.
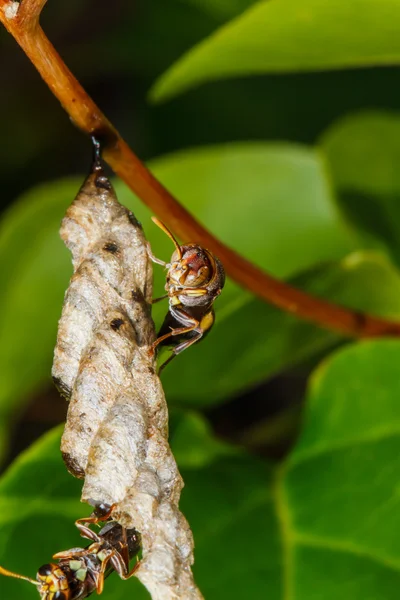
(193, 269)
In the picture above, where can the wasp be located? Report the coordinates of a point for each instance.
(81, 571)
(195, 278)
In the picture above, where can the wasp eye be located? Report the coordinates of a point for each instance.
(60, 596)
(45, 570)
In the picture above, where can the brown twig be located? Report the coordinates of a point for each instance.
(86, 115)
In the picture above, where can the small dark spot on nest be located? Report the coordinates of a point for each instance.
(111, 247)
(137, 296)
(116, 324)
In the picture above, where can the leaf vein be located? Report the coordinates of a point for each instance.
(377, 435)
(311, 541)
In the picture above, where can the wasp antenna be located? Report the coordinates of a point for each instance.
(17, 576)
(165, 229)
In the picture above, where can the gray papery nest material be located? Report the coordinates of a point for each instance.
(116, 434)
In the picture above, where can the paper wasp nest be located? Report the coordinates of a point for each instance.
(117, 426)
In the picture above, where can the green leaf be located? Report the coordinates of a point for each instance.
(238, 550)
(340, 491)
(353, 400)
(326, 524)
(281, 36)
(229, 188)
(252, 341)
(363, 154)
(322, 525)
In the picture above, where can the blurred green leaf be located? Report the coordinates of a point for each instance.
(287, 36)
(323, 525)
(204, 448)
(35, 268)
(252, 341)
(363, 155)
(238, 550)
(222, 8)
(363, 151)
(176, 26)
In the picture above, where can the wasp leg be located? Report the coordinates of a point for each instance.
(158, 299)
(154, 258)
(121, 565)
(100, 514)
(122, 568)
(192, 324)
(131, 572)
(180, 348)
(124, 550)
(102, 573)
(66, 554)
(165, 363)
(201, 328)
(88, 533)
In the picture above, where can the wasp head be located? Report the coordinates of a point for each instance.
(53, 583)
(191, 267)
(195, 276)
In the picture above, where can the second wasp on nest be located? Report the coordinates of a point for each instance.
(81, 571)
(195, 279)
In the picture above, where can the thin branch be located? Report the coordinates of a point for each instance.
(87, 116)
(29, 13)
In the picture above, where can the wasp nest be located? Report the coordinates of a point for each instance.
(116, 434)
